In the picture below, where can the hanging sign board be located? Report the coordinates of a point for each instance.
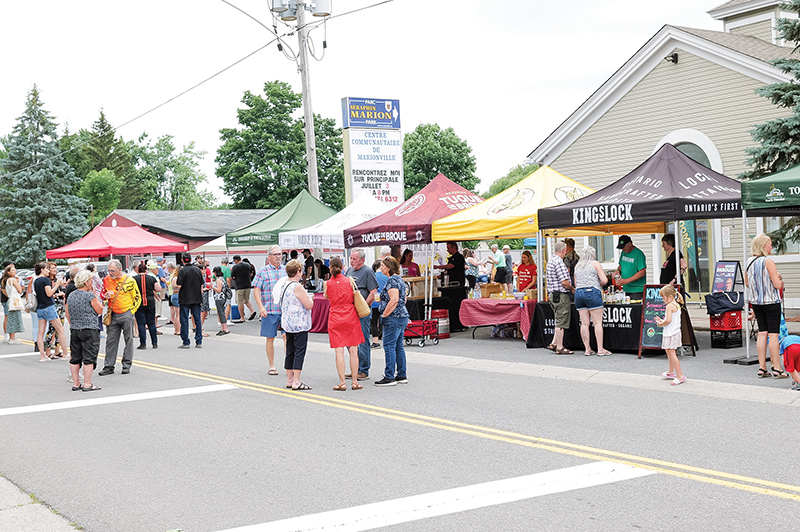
(373, 150)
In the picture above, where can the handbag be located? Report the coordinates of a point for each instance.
(14, 299)
(30, 301)
(107, 315)
(722, 302)
(362, 309)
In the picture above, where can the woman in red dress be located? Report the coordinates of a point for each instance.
(344, 326)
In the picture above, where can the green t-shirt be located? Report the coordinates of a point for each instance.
(500, 259)
(629, 264)
(226, 274)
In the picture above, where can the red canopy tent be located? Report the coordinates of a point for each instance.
(410, 223)
(103, 241)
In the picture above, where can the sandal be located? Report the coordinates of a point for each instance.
(342, 387)
(551, 347)
(92, 388)
(564, 351)
(356, 386)
(272, 371)
(762, 373)
(303, 387)
(779, 374)
(78, 387)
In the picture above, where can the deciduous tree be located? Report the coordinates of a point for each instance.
(262, 163)
(430, 150)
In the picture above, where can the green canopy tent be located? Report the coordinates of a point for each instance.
(303, 211)
(776, 194)
(779, 193)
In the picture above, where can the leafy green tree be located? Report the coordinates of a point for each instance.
(514, 176)
(780, 137)
(37, 208)
(262, 163)
(73, 149)
(170, 179)
(102, 191)
(430, 150)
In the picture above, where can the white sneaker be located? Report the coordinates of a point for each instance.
(14, 342)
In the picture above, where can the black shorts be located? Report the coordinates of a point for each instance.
(500, 275)
(768, 317)
(84, 345)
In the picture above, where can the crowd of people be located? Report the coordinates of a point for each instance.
(132, 303)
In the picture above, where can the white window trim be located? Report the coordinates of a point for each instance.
(697, 138)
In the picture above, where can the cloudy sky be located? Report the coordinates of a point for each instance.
(503, 75)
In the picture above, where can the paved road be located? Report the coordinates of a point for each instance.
(487, 435)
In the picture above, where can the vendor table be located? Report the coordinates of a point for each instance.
(319, 314)
(415, 307)
(489, 311)
(456, 294)
(621, 327)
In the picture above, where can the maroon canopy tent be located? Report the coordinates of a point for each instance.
(102, 241)
(410, 223)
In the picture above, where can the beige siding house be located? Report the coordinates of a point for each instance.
(695, 89)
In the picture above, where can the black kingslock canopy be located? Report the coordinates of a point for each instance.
(668, 186)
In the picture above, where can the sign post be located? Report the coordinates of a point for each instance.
(373, 149)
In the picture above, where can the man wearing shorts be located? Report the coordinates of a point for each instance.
(560, 288)
(263, 284)
(240, 273)
(498, 258)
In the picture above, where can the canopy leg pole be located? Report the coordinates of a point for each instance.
(678, 247)
(426, 267)
(746, 304)
(539, 271)
(428, 307)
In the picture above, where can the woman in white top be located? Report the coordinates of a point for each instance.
(764, 284)
(589, 280)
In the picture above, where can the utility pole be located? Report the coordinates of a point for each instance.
(308, 113)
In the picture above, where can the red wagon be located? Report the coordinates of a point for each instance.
(420, 329)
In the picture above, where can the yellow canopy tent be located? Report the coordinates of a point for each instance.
(514, 212)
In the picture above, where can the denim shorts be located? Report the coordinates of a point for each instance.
(269, 325)
(588, 298)
(47, 314)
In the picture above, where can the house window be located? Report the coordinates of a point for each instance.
(694, 152)
(773, 223)
(604, 245)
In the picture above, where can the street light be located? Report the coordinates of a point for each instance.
(290, 11)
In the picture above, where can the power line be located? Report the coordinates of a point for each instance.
(114, 129)
(276, 38)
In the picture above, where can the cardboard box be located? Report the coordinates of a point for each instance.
(487, 289)
(415, 287)
(532, 294)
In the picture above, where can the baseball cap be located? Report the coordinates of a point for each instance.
(151, 265)
(623, 241)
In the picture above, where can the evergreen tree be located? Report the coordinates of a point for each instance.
(37, 207)
(780, 138)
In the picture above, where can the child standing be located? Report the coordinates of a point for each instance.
(671, 336)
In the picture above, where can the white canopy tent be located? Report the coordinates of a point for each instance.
(328, 234)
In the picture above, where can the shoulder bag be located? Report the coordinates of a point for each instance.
(107, 315)
(721, 302)
(362, 309)
(14, 299)
(30, 301)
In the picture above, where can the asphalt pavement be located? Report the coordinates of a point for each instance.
(205, 440)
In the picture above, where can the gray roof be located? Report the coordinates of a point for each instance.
(206, 224)
(745, 44)
(730, 3)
